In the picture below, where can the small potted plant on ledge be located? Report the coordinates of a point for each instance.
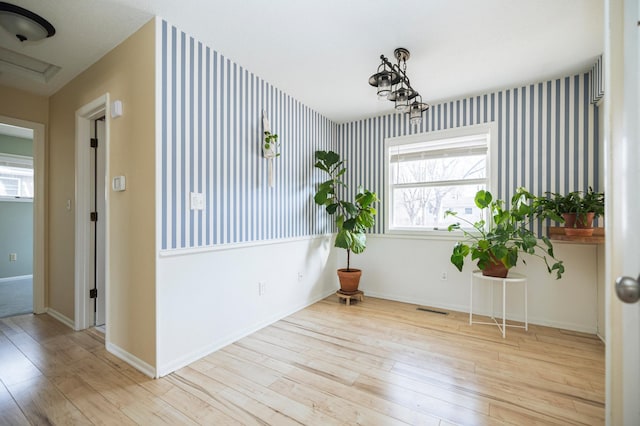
(352, 218)
(577, 209)
(497, 242)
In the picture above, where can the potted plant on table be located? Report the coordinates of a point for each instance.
(352, 218)
(577, 209)
(497, 242)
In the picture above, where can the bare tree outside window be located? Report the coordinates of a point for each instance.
(426, 182)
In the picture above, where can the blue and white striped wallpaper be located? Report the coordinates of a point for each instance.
(547, 137)
(211, 133)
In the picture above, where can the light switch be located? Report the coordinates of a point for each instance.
(197, 201)
(119, 183)
(116, 109)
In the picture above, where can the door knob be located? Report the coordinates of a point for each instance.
(628, 289)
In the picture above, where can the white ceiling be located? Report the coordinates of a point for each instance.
(322, 52)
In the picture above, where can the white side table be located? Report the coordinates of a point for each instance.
(512, 278)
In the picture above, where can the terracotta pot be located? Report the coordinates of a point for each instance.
(495, 269)
(578, 225)
(349, 280)
(569, 220)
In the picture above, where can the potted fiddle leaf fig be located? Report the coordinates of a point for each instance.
(352, 219)
(496, 243)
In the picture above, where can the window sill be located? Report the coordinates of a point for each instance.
(16, 200)
(439, 234)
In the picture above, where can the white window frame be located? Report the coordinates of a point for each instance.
(491, 132)
(18, 160)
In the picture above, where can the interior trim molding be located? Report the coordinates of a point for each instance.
(39, 201)
(16, 278)
(176, 364)
(132, 360)
(234, 246)
(465, 309)
(60, 317)
(83, 307)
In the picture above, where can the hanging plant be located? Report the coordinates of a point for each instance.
(271, 145)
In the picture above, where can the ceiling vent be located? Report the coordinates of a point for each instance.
(25, 66)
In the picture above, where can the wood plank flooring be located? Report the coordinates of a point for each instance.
(377, 362)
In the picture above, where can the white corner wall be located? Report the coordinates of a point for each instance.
(409, 270)
(208, 299)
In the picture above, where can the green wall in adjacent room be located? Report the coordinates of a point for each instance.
(16, 219)
(16, 229)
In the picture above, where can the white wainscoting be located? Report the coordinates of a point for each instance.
(409, 270)
(207, 300)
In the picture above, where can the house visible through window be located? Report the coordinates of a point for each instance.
(431, 173)
(16, 177)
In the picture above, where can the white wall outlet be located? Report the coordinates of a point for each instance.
(197, 201)
(443, 276)
(262, 288)
(13, 257)
(300, 275)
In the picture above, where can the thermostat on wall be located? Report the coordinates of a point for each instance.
(119, 183)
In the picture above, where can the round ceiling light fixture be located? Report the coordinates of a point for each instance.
(24, 24)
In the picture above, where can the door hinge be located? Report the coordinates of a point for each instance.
(93, 293)
(94, 142)
(94, 216)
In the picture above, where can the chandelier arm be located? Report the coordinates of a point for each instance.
(396, 68)
(401, 92)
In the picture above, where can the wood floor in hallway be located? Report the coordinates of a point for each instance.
(377, 362)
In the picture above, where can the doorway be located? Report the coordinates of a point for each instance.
(35, 251)
(16, 220)
(92, 219)
(97, 216)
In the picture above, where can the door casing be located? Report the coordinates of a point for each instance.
(39, 197)
(83, 304)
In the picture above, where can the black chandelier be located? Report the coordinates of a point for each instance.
(393, 84)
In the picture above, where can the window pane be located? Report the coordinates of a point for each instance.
(16, 181)
(425, 207)
(439, 169)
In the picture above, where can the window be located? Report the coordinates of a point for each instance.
(16, 177)
(431, 173)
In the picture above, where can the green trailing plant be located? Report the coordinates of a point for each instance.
(352, 219)
(553, 205)
(504, 235)
(271, 142)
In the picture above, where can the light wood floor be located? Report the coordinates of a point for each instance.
(373, 363)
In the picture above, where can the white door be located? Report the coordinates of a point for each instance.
(98, 230)
(622, 45)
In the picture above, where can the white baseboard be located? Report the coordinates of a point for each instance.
(177, 364)
(132, 360)
(62, 318)
(465, 308)
(16, 278)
